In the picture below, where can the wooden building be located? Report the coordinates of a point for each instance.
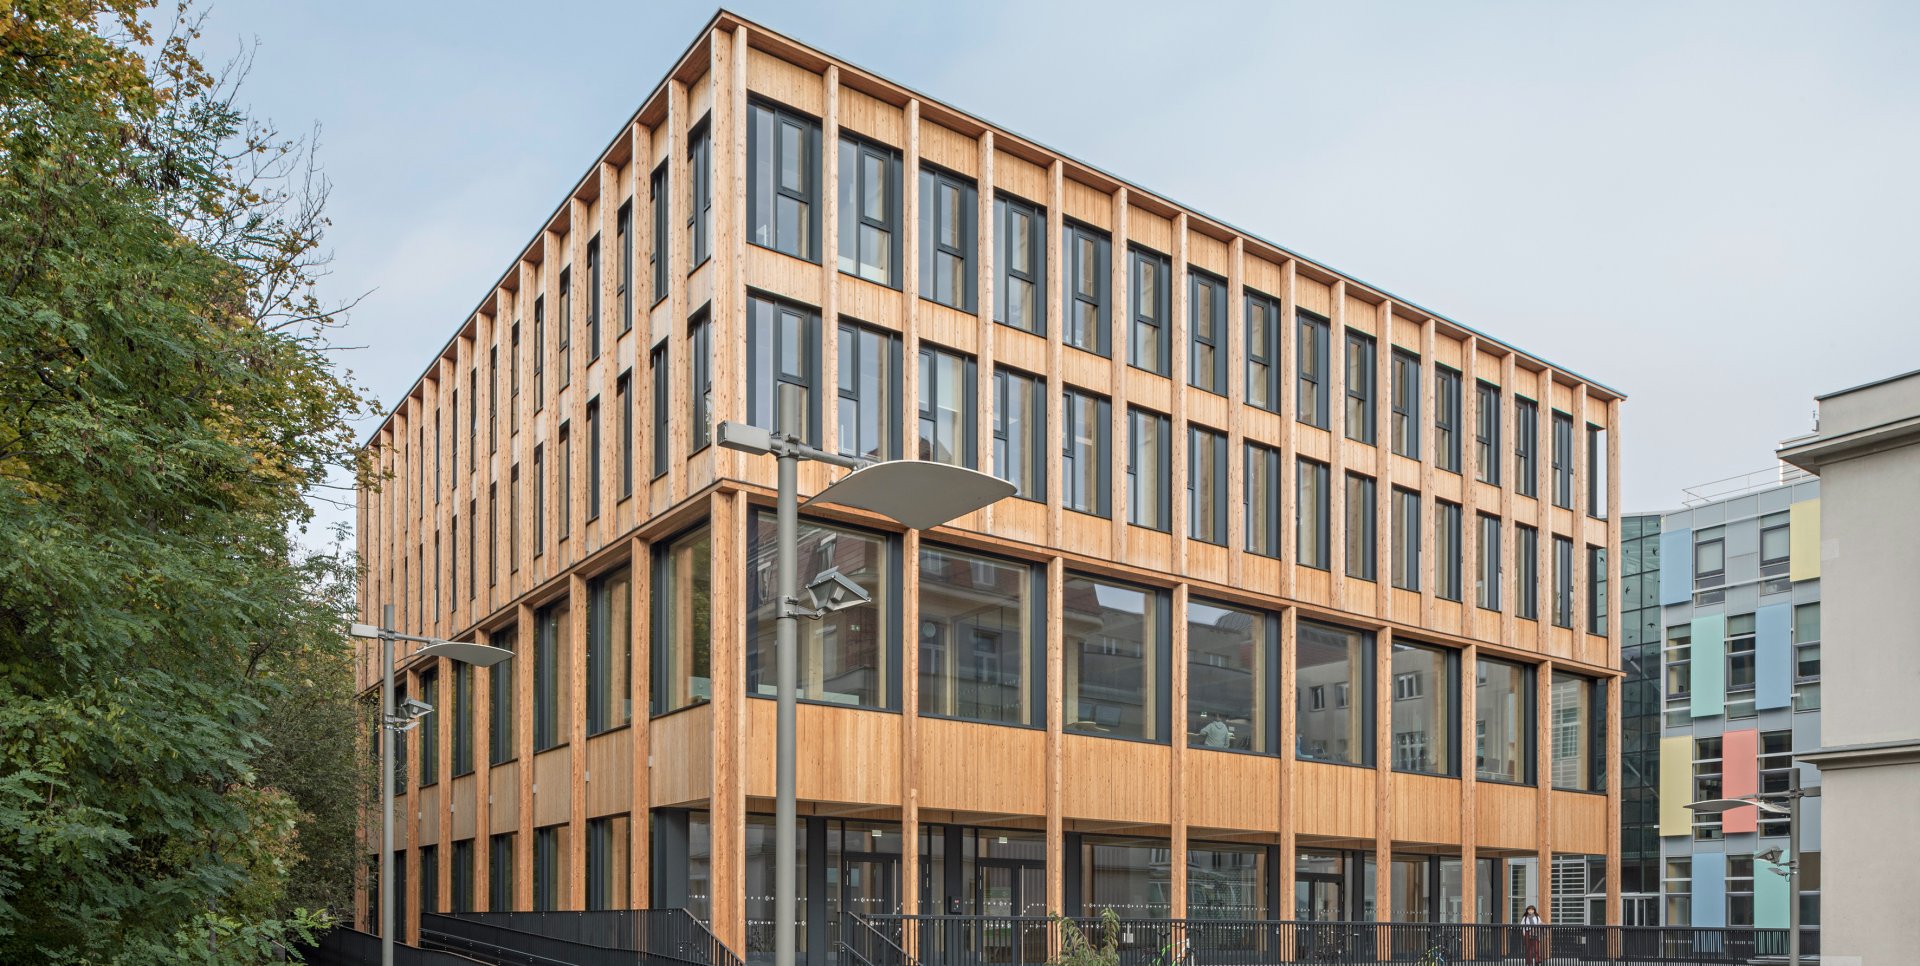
(1288, 549)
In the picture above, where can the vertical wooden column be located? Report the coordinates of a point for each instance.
(679, 258)
(728, 804)
(987, 283)
(523, 738)
(1056, 352)
(1543, 544)
(1056, 716)
(910, 725)
(730, 241)
(1468, 767)
(1429, 507)
(1383, 773)
(1177, 788)
(829, 202)
(1120, 343)
(444, 670)
(1582, 482)
(1383, 463)
(1616, 631)
(1337, 452)
(1289, 749)
(1543, 785)
(404, 906)
(481, 748)
(576, 728)
(1236, 387)
(1287, 327)
(1468, 432)
(1180, 347)
(640, 685)
(910, 276)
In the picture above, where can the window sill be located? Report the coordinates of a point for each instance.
(889, 285)
(689, 706)
(697, 265)
(1210, 392)
(1333, 761)
(1311, 424)
(537, 752)
(1452, 776)
(827, 704)
(1254, 752)
(984, 721)
(1041, 332)
(608, 731)
(1110, 736)
(776, 251)
(1088, 513)
(1510, 783)
(1601, 792)
(1151, 372)
(1147, 526)
(968, 309)
(1088, 350)
(503, 761)
(463, 774)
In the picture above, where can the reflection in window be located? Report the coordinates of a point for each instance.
(1424, 688)
(1019, 432)
(609, 651)
(783, 178)
(976, 637)
(947, 408)
(1089, 260)
(869, 393)
(869, 211)
(1227, 669)
(1115, 659)
(845, 657)
(1503, 722)
(682, 622)
(1334, 667)
(1126, 875)
(1578, 721)
(1226, 881)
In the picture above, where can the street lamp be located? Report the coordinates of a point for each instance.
(393, 722)
(915, 493)
(1770, 804)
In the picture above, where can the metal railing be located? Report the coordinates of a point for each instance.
(871, 944)
(342, 946)
(650, 937)
(1033, 941)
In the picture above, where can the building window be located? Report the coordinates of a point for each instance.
(1360, 387)
(1020, 432)
(429, 730)
(1263, 500)
(700, 194)
(1446, 549)
(1775, 544)
(1228, 881)
(1334, 674)
(1313, 545)
(563, 493)
(500, 890)
(982, 625)
(783, 365)
(1206, 485)
(1678, 887)
(660, 255)
(1086, 461)
(948, 236)
(1486, 591)
(1739, 890)
(550, 689)
(502, 700)
(1526, 441)
(609, 651)
(682, 622)
(1678, 661)
(623, 241)
(549, 873)
(493, 534)
(593, 297)
(1089, 258)
(1503, 722)
(493, 399)
(1486, 433)
(1563, 460)
(461, 879)
(429, 880)
(1740, 675)
(1406, 539)
(948, 412)
(1446, 418)
(783, 180)
(539, 500)
(1020, 240)
(1310, 396)
(564, 326)
(593, 458)
(608, 853)
(1151, 295)
(1706, 786)
(1806, 657)
(1596, 472)
(623, 388)
(1426, 685)
(1597, 591)
(1709, 559)
(1578, 721)
(1229, 678)
(1361, 536)
(848, 657)
(1263, 344)
(869, 393)
(700, 382)
(1116, 659)
(1776, 768)
(1562, 582)
(662, 399)
(513, 379)
(1207, 322)
(1526, 578)
(1119, 874)
(1148, 470)
(513, 519)
(869, 211)
(1406, 404)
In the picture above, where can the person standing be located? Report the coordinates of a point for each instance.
(1530, 933)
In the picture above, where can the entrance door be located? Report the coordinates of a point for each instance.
(1319, 898)
(1011, 897)
(869, 886)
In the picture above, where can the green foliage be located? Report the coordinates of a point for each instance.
(1077, 948)
(167, 402)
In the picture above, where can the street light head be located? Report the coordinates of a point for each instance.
(1771, 856)
(364, 630)
(465, 652)
(744, 438)
(833, 590)
(920, 494)
(412, 708)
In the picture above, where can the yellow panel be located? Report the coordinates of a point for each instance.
(1804, 540)
(1676, 786)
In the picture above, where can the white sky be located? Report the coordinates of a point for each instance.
(1708, 206)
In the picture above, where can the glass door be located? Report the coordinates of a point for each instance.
(1011, 897)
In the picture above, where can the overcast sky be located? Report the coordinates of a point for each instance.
(1707, 206)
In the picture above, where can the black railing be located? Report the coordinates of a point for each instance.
(342, 946)
(650, 937)
(872, 944)
(1032, 941)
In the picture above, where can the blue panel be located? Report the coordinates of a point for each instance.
(1773, 666)
(1769, 896)
(1710, 889)
(1676, 566)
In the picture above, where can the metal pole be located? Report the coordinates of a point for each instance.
(1793, 865)
(386, 787)
(786, 629)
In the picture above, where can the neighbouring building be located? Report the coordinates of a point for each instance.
(1866, 548)
(1301, 610)
(1723, 699)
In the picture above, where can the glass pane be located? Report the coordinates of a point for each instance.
(1113, 645)
(1087, 278)
(789, 225)
(1503, 722)
(1573, 739)
(1423, 695)
(1227, 882)
(1227, 651)
(975, 646)
(1332, 671)
(793, 157)
(876, 255)
(844, 657)
(873, 188)
(1018, 258)
(948, 200)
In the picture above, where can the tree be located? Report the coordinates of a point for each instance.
(167, 402)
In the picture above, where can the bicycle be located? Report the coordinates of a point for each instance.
(1435, 955)
(1175, 953)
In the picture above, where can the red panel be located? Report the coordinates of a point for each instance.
(1740, 777)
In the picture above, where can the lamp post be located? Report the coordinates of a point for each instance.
(915, 493)
(1770, 804)
(391, 723)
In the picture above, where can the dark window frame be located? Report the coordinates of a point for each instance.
(1217, 529)
(1004, 207)
(1312, 333)
(1362, 393)
(1486, 432)
(1099, 338)
(806, 375)
(660, 257)
(1157, 317)
(967, 235)
(767, 221)
(852, 206)
(699, 195)
(1162, 471)
(1100, 501)
(1005, 382)
(1271, 500)
(1216, 381)
(1404, 400)
(1263, 369)
(1446, 418)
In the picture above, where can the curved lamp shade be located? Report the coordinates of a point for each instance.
(1717, 805)
(479, 655)
(917, 493)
